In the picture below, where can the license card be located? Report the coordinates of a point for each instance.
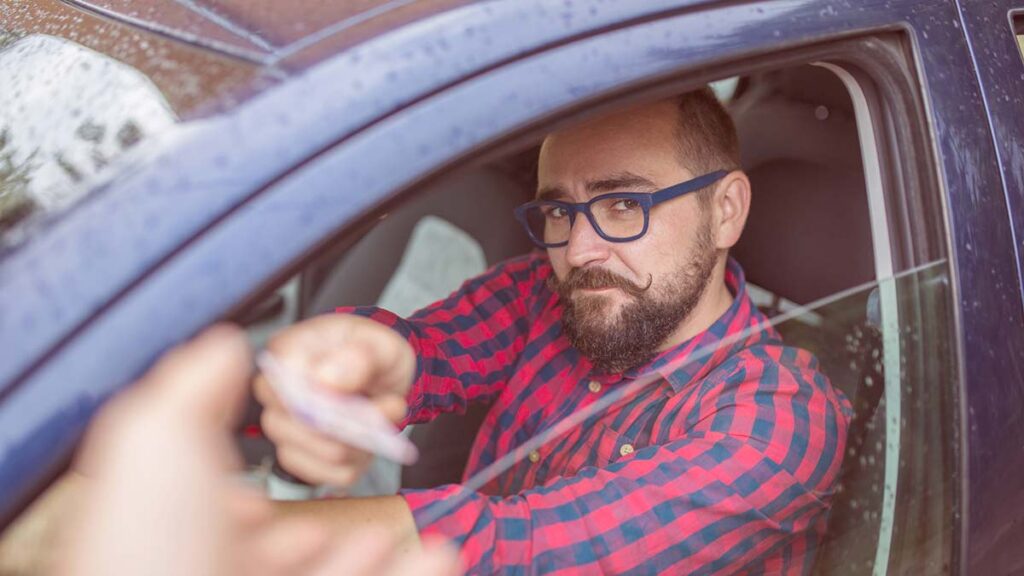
(348, 418)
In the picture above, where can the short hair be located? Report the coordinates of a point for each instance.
(706, 136)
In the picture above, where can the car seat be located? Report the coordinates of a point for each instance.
(479, 202)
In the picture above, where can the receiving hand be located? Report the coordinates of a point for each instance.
(342, 353)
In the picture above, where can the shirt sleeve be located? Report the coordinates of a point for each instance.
(467, 345)
(723, 498)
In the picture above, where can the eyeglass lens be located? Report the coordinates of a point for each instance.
(617, 218)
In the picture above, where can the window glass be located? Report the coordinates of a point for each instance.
(194, 80)
(889, 348)
(66, 114)
(80, 92)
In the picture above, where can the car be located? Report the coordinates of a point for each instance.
(164, 166)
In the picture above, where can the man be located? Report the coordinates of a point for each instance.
(725, 463)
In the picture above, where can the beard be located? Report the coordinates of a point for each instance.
(617, 342)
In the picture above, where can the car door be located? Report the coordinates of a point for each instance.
(995, 30)
(555, 63)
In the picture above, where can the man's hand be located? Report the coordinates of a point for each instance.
(348, 354)
(160, 498)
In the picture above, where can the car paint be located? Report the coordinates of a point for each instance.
(989, 297)
(215, 213)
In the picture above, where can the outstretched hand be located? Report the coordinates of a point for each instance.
(162, 498)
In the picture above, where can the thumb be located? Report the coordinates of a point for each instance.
(204, 380)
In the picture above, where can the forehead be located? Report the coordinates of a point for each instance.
(641, 139)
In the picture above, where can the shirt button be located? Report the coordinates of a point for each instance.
(625, 450)
(534, 456)
(594, 386)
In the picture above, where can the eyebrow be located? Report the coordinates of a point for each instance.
(619, 181)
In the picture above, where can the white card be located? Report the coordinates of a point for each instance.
(348, 418)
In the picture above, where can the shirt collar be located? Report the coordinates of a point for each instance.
(739, 327)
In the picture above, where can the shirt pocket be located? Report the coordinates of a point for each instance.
(598, 446)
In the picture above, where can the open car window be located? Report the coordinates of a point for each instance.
(819, 260)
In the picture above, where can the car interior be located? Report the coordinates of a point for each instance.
(808, 237)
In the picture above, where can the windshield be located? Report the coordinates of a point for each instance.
(68, 113)
(82, 95)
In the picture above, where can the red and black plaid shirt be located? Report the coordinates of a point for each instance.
(726, 464)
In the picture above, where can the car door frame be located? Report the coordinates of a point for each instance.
(996, 490)
(247, 247)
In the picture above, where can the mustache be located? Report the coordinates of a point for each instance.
(596, 279)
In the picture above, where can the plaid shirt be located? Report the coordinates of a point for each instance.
(725, 464)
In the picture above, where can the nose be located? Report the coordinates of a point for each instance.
(585, 245)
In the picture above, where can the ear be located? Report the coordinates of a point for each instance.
(731, 205)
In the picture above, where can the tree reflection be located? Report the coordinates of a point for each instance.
(15, 201)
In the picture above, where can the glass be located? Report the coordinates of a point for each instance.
(70, 115)
(616, 217)
(82, 95)
(889, 348)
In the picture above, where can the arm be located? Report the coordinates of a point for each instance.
(162, 498)
(387, 516)
(752, 476)
(467, 344)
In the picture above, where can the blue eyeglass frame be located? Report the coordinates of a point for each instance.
(647, 200)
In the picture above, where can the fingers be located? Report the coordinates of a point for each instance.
(348, 353)
(197, 389)
(392, 406)
(285, 431)
(311, 456)
(204, 379)
(265, 394)
(314, 471)
(160, 453)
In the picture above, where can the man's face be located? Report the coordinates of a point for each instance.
(621, 301)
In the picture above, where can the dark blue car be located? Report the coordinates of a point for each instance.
(167, 165)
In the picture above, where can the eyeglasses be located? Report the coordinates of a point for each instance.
(617, 217)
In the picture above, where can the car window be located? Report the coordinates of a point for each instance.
(882, 335)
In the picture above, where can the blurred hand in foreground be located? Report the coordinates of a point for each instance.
(162, 499)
